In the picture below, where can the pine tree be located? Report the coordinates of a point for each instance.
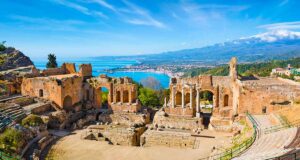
(51, 61)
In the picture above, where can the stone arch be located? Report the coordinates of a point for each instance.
(207, 95)
(67, 104)
(41, 93)
(226, 100)
(178, 98)
(104, 97)
(125, 96)
(206, 104)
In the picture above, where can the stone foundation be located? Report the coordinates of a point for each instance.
(161, 119)
(168, 138)
(125, 118)
(116, 134)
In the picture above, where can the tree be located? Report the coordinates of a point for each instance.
(51, 61)
(151, 82)
(32, 120)
(2, 46)
(104, 97)
(149, 97)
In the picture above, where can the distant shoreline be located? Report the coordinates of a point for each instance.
(168, 73)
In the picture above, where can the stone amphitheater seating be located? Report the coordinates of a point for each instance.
(269, 145)
(10, 114)
(4, 121)
(296, 141)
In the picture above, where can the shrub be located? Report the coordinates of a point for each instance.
(11, 140)
(32, 120)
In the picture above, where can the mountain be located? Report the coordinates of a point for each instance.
(278, 44)
(11, 58)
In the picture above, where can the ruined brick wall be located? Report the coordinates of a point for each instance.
(118, 135)
(72, 87)
(122, 93)
(85, 70)
(69, 68)
(53, 71)
(219, 86)
(122, 107)
(176, 122)
(124, 118)
(47, 88)
(54, 89)
(266, 95)
(178, 111)
(168, 139)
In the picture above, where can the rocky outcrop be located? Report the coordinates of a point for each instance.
(11, 58)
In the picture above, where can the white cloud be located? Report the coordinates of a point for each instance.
(142, 16)
(275, 35)
(282, 25)
(131, 13)
(81, 8)
(105, 4)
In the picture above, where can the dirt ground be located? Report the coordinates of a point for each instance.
(72, 147)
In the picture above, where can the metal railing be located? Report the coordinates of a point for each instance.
(276, 128)
(238, 149)
(290, 156)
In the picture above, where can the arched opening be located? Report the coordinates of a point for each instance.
(125, 97)
(104, 97)
(41, 93)
(187, 98)
(178, 98)
(118, 96)
(206, 105)
(226, 99)
(67, 104)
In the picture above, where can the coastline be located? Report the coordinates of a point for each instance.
(170, 74)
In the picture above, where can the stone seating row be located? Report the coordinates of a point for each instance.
(269, 145)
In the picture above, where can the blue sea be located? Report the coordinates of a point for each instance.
(99, 65)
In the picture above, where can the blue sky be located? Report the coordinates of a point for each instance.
(77, 28)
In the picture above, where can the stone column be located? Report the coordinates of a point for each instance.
(198, 103)
(191, 97)
(173, 96)
(130, 96)
(182, 97)
(114, 96)
(165, 103)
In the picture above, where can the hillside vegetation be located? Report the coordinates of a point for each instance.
(260, 69)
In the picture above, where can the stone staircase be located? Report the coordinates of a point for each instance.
(269, 145)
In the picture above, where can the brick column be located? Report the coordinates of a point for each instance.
(173, 96)
(191, 97)
(198, 103)
(130, 96)
(182, 97)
